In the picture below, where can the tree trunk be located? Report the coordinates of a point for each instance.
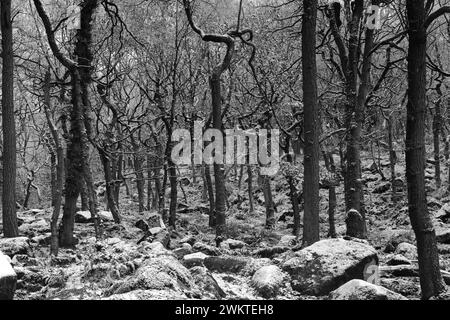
(311, 158)
(59, 172)
(209, 185)
(264, 182)
(430, 277)
(140, 183)
(436, 138)
(109, 183)
(219, 174)
(392, 159)
(10, 226)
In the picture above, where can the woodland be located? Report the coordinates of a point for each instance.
(350, 99)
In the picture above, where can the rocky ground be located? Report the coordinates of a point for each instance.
(253, 263)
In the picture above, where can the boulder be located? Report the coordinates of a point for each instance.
(287, 241)
(105, 215)
(382, 188)
(159, 273)
(357, 289)
(206, 248)
(268, 280)
(443, 235)
(141, 224)
(188, 239)
(444, 212)
(8, 278)
(194, 259)
(233, 244)
(207, 283)
(327, 264)
(397, 260)
(154, 220)
(226, 264)
(83, 217)
(407, 250)
(184, 250)
(13, 246)
(270, 252)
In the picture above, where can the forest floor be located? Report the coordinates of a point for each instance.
(109, 269)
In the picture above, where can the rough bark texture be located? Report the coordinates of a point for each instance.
(10, 227)
(311, 158)
(430, 277)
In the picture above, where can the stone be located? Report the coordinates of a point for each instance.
(268, 280)
(194, 259)
(407, 250)
(155, 220)
(184, 250)
(188, 239)
(382, 188)
(443, 235)
(83, 217)
(287, 241)
(13, 246)
(141, 224)
(206, 248)
(397, 260)
(443, 213)
(357, 289)
(233, 244)
(270, 252)
(159, 273)
(105, 215)
(8, 278)
(225, 264)
(327, 264)
(207, 283)
(43, 239)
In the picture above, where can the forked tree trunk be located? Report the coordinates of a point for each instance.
(431, 281)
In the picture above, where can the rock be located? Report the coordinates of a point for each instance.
(353, 221)
(357, 289)
(254, 265)
(30, 228)
(188, 239)
(43, 239)
(155, 231)
(194, 259)
(443, 213)
(13, 246)
(287, 241)
(206, 248)
(397, 236)
(207, 283)
(407, 286)
(285, 215)
(443, 235)
(327, 264)
(141, 224)
(155, 220)
(407, 250)
(24, 260)
(106, 215)
(8, 278)
(397, 259)
(382, 188)
(163, 237)
(267, 281)
(83, 217)
(185, 249)
(225, 264)
(233, 244)
(160, 273)
(271, 251)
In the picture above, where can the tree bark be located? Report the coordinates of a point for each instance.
(430, 277)
(311, 116)
(10, 226)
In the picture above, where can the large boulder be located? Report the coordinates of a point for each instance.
(226, 264)
(13, 246)
(268, 280)
(207, 283)
(407, 250)
(361, 290)
(83, 217)
(327, 264)
(159, 273)
(194, 259)
(8, 278)
(154, 220)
